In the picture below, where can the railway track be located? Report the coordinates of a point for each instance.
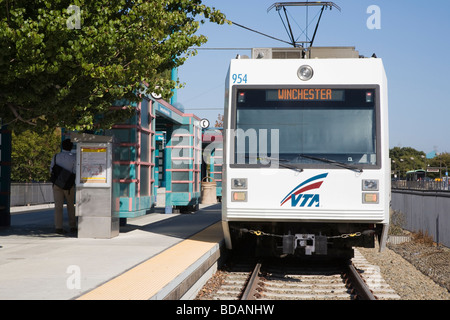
(291, 280)
(336, 282)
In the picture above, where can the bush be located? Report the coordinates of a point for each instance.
(398, 222)
(423, 238)
(31, 155)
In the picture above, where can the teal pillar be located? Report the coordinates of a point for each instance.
(174, 77)
(168, 165)
(5, 177)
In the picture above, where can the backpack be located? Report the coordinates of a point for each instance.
(63, 178)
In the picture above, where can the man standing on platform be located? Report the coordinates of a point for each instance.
(67, 160)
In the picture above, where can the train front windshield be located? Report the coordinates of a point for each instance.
(305, 126)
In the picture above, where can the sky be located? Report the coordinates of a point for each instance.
(410, 36)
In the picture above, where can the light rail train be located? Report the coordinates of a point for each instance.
(306, 154)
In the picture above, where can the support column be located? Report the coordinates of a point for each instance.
(168, 165)
(5, 176)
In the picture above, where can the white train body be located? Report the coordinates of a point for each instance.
(306, 162)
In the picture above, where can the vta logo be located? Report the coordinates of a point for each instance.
(298, 196)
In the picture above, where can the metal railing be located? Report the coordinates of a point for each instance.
(421, 185)
(23, 194)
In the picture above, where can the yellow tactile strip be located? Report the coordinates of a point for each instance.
(148, 278)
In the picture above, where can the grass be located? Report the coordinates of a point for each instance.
(398, 221)
(424, 238)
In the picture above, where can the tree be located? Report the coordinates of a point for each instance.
(441, 161)
(406, 159)
(32, 153)
(63, 63)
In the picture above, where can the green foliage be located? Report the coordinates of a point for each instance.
(54, 75)
(32, 153)
(407, 159)
(440, 161)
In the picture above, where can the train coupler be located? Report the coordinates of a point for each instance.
(307, 244)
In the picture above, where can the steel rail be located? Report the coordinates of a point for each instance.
(252, 284)
(361, 288)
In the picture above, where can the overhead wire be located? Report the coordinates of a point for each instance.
(304, 32)
(261, 33)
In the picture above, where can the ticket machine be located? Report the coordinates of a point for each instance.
(96, 193)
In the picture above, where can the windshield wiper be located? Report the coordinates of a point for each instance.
(336, 163)
(285, 165)
(280, 162)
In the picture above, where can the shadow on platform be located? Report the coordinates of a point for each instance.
(40, 223)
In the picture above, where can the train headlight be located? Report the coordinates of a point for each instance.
(305, 72)
(239, 183)
(239, 196)
(370, 185)
(370, 197)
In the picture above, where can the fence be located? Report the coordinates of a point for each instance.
(23, 194)
(421, 185)
(426, 211)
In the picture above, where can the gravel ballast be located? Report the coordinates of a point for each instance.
(416, 271)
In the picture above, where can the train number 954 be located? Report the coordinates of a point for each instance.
(239, 78)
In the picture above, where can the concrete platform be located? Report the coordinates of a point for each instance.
(36, 263)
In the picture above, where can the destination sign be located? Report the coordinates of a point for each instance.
(306, 94)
